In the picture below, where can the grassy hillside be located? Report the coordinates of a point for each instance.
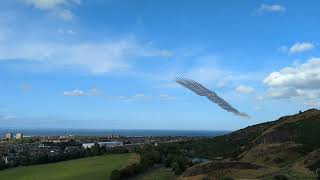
(288, 146)
(93, 168)
(227, 146)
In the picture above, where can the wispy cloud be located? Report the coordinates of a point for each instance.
(142, 97)
(167, 97)
(65, 14)
(95, 57)
(298, 47)
(245, 89)
(61, 8)
(208, 72)
(133, 98)
(270, 8)
(78, 92)
(301, 47)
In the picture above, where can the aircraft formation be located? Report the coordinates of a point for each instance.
(212, 96)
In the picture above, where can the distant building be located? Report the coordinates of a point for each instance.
(19, 136)
(103, 144)
(87, 145)
(8, 136)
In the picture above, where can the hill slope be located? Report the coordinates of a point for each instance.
(289, 145)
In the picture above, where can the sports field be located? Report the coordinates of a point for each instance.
(91, 168)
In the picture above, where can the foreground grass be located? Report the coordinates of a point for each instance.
(92, 168)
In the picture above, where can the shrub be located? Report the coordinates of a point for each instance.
(226, 178)
(115, 175)
(280, 177)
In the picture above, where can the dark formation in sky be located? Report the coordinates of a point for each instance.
(212, 96)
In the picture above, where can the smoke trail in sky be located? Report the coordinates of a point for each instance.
(212, 96)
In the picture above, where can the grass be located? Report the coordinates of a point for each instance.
(92, 168)
(161, 173)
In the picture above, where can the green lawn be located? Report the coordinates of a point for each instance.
(91, 168)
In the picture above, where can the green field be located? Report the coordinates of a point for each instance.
(91, 168)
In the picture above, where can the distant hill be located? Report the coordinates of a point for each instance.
(289, 146)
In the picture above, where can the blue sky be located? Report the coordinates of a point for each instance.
(111, 64)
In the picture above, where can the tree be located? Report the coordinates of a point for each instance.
(2, 163)
(176, 168)
(95, 149)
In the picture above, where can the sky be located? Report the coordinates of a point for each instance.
(111, 64)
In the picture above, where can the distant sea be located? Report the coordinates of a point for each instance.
(122, 132)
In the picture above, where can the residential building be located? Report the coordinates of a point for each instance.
(103, 144)
(19, 136)
(8, 136)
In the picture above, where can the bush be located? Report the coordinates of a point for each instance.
(226, 178)
(115, 175)
(280, 177)
(278, 160)
(206, 178)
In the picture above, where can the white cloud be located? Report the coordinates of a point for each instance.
(65, 14)
(271, 8)
(298, 47)
(136, 97)
(205, 70)
(217, 77)
(245, 89)
(44, 4)
(167, 97)
(78, 92)
(301, 80)
(97, 58)
(301, 47)
(282, 93)
(257, 108)
(259, 98)
(306, 76)
(61, 8)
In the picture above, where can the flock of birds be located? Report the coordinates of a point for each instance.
(212, 96)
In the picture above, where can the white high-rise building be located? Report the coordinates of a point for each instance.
(19, 136)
